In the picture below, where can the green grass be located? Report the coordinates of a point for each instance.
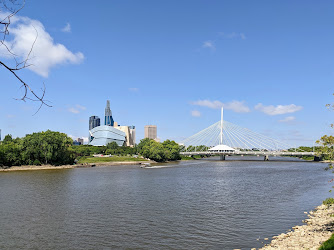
(108, 159)
(328, 245)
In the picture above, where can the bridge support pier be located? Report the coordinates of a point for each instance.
(222, 157)
(266, 158)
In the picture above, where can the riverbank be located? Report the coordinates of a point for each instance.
(319, 228)
(88, 165)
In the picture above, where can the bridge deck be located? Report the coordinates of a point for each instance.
(269, 153)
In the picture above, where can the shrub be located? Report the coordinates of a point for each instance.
(328, 201)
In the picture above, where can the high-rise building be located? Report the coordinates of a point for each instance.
(133, 135)
(151, 132)
(108, 120)
(81, 141)
(94, 121)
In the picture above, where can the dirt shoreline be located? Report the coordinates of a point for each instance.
(319, 228)
(88, 165)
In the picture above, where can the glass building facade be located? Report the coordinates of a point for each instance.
(102, 135)
(94, 121)
(108, 120)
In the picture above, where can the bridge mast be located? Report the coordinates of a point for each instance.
(221, 127)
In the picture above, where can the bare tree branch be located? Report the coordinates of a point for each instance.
(11, 8)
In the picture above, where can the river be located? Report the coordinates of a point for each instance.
(187, 205)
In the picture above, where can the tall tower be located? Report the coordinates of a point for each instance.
(221, 126)
(108, 120)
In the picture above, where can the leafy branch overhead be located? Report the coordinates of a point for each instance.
(13, 62)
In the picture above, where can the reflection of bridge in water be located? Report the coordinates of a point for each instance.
(224, 138)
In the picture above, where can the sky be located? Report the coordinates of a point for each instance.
(174, 64)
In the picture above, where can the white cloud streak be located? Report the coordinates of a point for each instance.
(77, 109)
(233, 35)
(133, 89)
(288, 119)
(278, 110)
(67, 28)
(209, 45)
(236, 106)
(45, 55)
(195, 113)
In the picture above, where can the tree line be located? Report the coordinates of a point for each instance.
(57, 148)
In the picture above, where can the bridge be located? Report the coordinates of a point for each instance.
(224, 138)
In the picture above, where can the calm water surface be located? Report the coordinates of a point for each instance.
(196, 204)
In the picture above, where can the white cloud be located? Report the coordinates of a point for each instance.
(209, 45)
(236, 106)
(288, 119)
(80, 107)
(133, 89)
(278, 110)
(67, 28)
(77, 109)
(233, 35)
(10, 116)
(195, 113)
(208, 104)
(46, 54)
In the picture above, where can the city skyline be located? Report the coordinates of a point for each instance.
(273, 75)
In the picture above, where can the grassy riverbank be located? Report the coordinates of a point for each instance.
(89, 159)
(83, 162)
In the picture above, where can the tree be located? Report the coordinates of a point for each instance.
(331, 107)
(7, 139)
(160, 152)
(172, 150)
(112, 145)
(327, 146)
(8, 9)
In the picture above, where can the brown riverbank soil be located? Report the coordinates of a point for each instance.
(51, 167)
(319, 228)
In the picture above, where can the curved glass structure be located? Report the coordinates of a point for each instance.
(102, 135)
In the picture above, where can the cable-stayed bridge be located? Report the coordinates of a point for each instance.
(225, 138)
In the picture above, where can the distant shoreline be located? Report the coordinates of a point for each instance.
(88, 165)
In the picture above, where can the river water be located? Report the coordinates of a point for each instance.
(202, 204)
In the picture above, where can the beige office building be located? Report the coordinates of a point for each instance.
(151, 132)
(130, 134)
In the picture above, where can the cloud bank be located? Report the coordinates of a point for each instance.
(236, 106)
(278, 110)
(76, 109)
(46, 54)
(195, 113)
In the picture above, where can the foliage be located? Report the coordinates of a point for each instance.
(160, 152)
(328, 201)
(326, 147)
(38, 148)
(186, 158)
(7, 139)
(328, 244)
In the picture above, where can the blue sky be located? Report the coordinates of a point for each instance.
(173, 64)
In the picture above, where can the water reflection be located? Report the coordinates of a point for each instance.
(194, 204)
